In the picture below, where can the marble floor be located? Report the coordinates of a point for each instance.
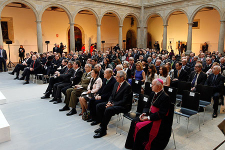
(36, 124)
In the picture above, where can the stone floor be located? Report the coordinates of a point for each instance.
(37, 124)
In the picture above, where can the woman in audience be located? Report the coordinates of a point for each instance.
(106, 64)
(123, 57)
(170, 70)
(152, 73)
(139, 72)
(163, 75)
(128, 56)
(93, 87)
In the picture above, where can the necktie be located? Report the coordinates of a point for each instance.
(178, 73)
(75, 73)
(107, 81)
(118, 88)
(193, 81)
(214, 80)
(33, 64)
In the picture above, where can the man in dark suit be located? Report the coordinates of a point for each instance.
(179, 75)
(119, 101)
(102, 95)
(3, 58)
(173, 62)
(55, 64)
(69, 80)
(208, 64)
(25, 63)
(197, 77)
(216, 80)
(56, 49)
(34, 68)
(185, 67)
(132, 66)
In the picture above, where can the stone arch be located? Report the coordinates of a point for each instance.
(82, 32)
(55, 5)
(203, 6)
(114, 12)
(148, 17)
(86, 8)
(30, 4)
(132, 14)
(171, 12)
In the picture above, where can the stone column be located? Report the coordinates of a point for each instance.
(1, 38)
(99, 37)
(121, 36)
(221, 37)
(145, 38)
(39, 37)
(165, 37)
(138, 37)
(189, 40)
(72, 38)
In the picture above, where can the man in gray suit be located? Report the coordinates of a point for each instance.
(3, 58)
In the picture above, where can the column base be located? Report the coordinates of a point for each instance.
(188, 52)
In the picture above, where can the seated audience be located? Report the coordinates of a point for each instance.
(164, 76)
(152, 73)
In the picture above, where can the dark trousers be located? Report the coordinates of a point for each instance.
(18, 68)
(104, 115)
(21, 59)
(27, 73)
(92, 107)
(216, 97)
(52, 81)
(2, 61)
(57, 88)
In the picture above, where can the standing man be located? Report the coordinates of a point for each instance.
(21, 53)
(119, 101)
(3, 58)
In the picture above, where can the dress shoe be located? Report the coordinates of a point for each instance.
(214, 115)
(98, 130)
(100, 134)
(16, 78)
(26, 83)
(45, 96)
(54, 99)
(58, 101)
(64, 108)
(72, 112)
(22, 78)
(94, 123)
(12, 73)
(90, 120)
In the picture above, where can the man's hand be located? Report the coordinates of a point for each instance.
(98, 97)
(31, 69)
(109, 104)
(144, 118)
(175, 79)
(192, 89)
(143, 114)
(89, 91)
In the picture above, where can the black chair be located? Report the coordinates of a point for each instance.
(171, 91)
(148, 88)
(205, 96)
(136, 88)
(189, 106)
(182, 86)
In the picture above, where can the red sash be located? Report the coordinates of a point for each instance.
(154, 130)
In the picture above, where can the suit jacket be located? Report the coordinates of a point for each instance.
(85, 80)
(28, 61)
(133, 68)
(67, 75)
(4, 54)
(121, 98)
(76, 78)
(182, 76)
(55, 49)
(218, 85)
(128, 73)
(162, 102)
(36, 66)
(56, 63)
(207, 67)
(201, 77)
(63, 69)
(106, 89)
(96, 86)
(173, 63)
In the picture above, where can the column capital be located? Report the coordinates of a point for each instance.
(38, 21)
(71, 23)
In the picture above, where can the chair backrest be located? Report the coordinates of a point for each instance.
(142, 102)
(136, 86)
(172, 92)
(183, 86)
(190, 100)
(130, 97)
(148, 88)
(205, 92)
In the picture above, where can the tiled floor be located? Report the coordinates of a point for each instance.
(37, 124)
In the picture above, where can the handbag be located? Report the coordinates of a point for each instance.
(86, 115)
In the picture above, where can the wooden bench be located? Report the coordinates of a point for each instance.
(4, 129)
